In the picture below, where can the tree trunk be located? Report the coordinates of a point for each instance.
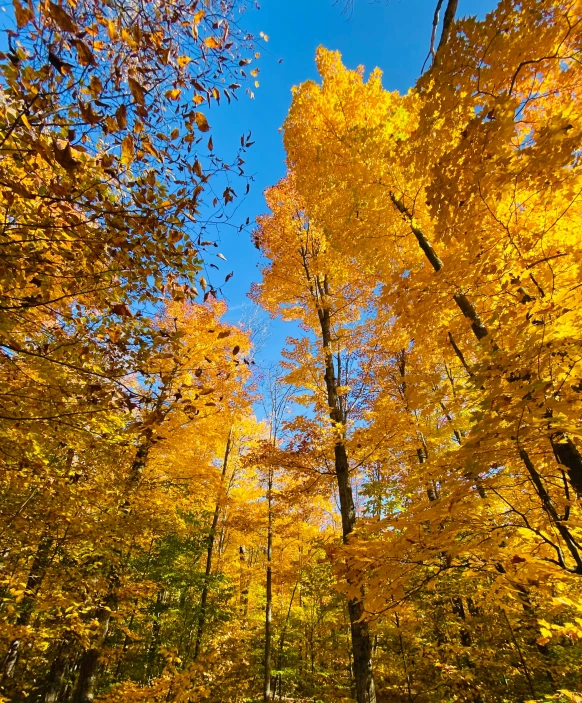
(209, 552)
(269, 601)
(567, 454)
(361, 644)
(152, 654)
(85, 689)
(35, 577)
(282, 640)
(565, 451)
(448, 20)
(54, 686)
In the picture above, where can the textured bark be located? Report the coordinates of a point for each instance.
(568, 455)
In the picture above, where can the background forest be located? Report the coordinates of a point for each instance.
(388, 513)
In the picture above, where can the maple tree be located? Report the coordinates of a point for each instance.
(460, 201)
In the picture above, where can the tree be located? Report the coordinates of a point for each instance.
(302, 270)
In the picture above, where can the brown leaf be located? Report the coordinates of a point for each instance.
(62, 18)
(65, 157)
(236, 350)
(62, 66)
(84, 53)
(121, 116)
(225, 333)
(201, 122)
(23, 14)
(121, 309)
(137, 90)
(88, 114)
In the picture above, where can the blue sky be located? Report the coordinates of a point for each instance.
(391, 34)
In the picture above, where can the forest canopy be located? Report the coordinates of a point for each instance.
(388, 513)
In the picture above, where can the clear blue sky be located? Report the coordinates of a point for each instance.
(391, 34)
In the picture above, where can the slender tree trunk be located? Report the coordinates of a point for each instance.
(567, 454)
(84, 691)
(161, 600)
(448, 20)
(209, 552)
(565, 451)
(404, 660)
(521, 657)
(89, 662)
(53, 688)
(33, 582)
(269, 589)
(284, 631)
(361, 644)
(552, 513)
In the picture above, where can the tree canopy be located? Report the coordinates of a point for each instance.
(392, 512)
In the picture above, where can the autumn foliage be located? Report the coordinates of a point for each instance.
(392, 513)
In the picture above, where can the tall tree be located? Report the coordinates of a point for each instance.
(302, 271)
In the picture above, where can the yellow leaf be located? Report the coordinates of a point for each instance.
(127, 150)
(212, 43)
(183, 61)
(148, 146)
(84, 53)
(111, 29)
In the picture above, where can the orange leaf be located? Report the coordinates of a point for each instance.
(201, 122)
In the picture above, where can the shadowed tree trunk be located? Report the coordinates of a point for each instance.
(269, 593)
(84, 691)
(565, 451)
(209, 552)
(33, 582)
(361, 643)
